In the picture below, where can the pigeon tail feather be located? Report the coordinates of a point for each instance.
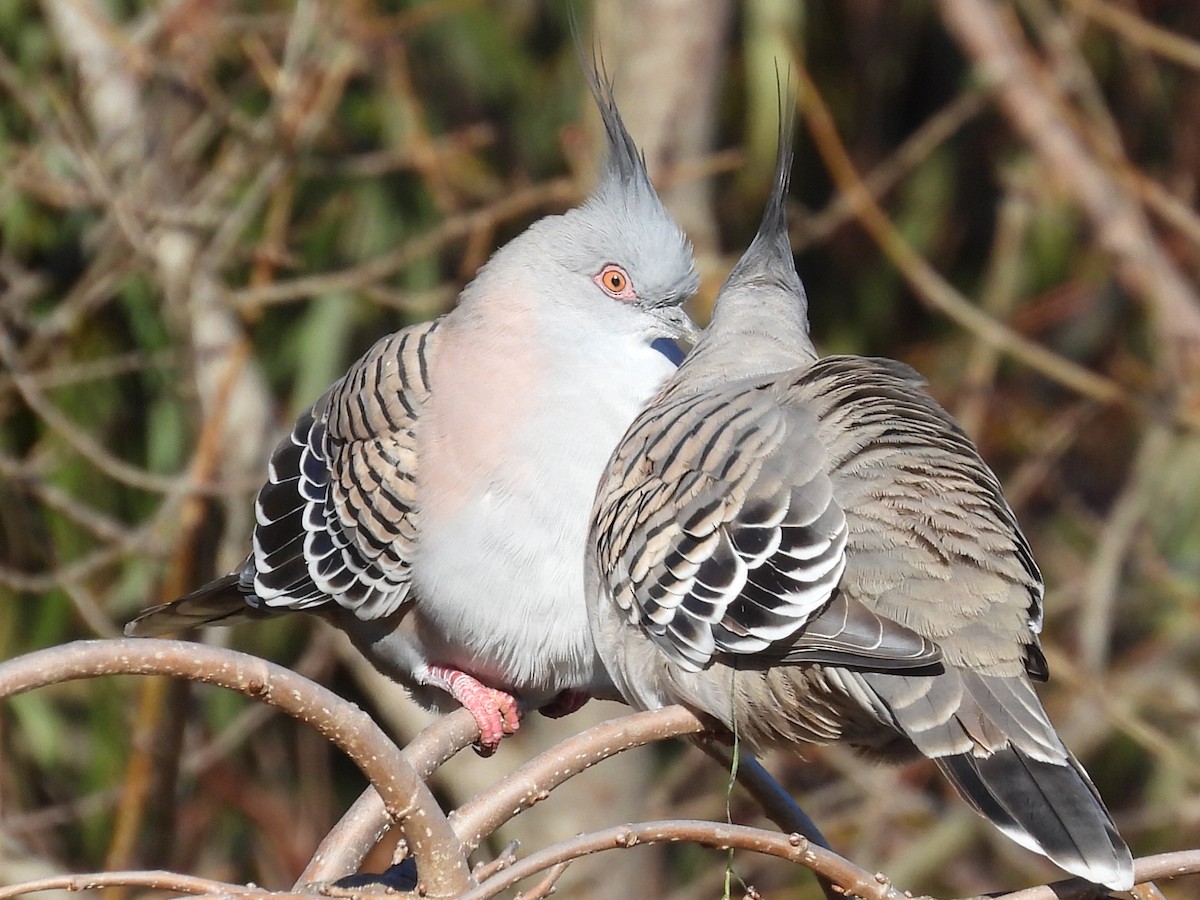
(1048, 807)
(220, 602)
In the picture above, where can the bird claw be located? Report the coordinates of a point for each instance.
(495, 711)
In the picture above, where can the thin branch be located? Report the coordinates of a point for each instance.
(794, 848)
(1125, 523)
(438, 853)
(1161, 867)
(1141, 264)
(347, 844)
(1136, 30)
(533, 782)
(930, 286)
(917, 148)
(560, 191)
(441, 740)
(78, 439)
(92, 370)
(147, 538)
(545, 887)
(1005, 270)
(777, 803)
(163, 881)
(90, 449)
(503, 860)
(557, 192)
(1169, 208)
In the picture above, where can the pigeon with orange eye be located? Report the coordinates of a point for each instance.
(614, 281)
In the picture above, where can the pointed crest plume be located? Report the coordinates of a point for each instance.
(624, 164)
(761, 309)
(768, 259)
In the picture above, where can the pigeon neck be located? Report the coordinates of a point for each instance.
(753, 339)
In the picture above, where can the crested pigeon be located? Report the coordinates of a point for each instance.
(433, 503)
(810, 549)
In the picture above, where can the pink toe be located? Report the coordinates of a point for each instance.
(495, 711)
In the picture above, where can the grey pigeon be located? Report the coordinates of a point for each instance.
(433, 503)
(810, 549)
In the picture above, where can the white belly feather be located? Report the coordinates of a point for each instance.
(500, 566)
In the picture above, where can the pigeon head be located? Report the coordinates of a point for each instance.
(618, 262)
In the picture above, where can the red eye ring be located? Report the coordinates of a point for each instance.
(615, 282)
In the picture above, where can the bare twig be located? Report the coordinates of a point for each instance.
(532, 782)
(1143, 267)
(1136, 30)
(163, 881)
(917, 148)
(552, 193)
(1121, 528)
(793, 847)
(77, 438)
(777, 803)
(999, 295)
(147, 538)
(438, 853)
(545, 887)
(349, 841)
(505, 858)
(1161, 867)
(929, 285)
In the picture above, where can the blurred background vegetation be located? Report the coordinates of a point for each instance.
(209, 208)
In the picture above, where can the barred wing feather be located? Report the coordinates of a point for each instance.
(336, 518)
(719, 534)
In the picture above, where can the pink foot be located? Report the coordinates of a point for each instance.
(564, 704)
(495, 711)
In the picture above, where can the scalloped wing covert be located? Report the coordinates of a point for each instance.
(718, 532)
(933, 543)
(336, 520)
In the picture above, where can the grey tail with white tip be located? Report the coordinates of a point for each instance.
(1049, 807)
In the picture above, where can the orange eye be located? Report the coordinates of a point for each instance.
(615, 282)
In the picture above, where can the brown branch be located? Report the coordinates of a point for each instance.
(78, 439)
(1169, 208)
(347, 844)
(438, 853)
(1034, 109)
(793, 847)
(1127, 519)
(533, 782)
(1137, 30)
(1161, 867)
(917, 148)
(777, 803)
(558, 192)
(1005, 270)
(930, 286)
(164, 881)
(505, 858)
(545, 887)
(87, 446)
(147, 538)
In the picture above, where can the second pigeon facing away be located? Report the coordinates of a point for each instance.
(811, 549)
(433, 504)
